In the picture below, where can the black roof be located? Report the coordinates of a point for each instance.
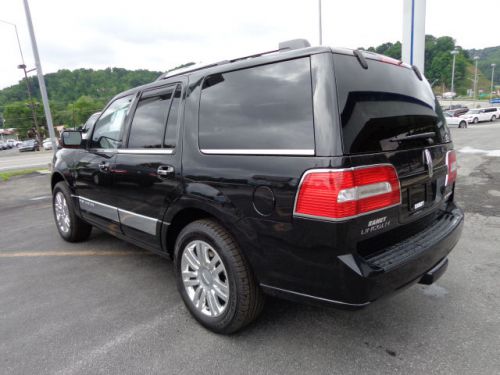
(236, 64)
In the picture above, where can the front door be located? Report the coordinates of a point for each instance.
(147, 173)
(94, 169)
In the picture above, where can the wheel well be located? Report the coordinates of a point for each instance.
(56, 177)
(179, 221)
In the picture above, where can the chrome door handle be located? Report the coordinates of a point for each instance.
(164, 170)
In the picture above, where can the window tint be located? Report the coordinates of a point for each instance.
(108, 129)
(172, 123)
(148, 124)
(267, 107)
(386, 108)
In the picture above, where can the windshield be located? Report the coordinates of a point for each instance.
(473, 111)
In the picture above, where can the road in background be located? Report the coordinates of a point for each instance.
(13, 159)
(105, 306)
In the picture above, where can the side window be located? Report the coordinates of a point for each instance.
(148, 125)
(265, 110)
(173, 121)
(108, 129)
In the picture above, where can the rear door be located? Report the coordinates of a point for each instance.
(147, 174)
(389, 115)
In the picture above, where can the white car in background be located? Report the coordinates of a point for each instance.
(47, 144)
(481, 114)
(459, 121)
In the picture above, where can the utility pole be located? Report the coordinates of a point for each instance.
(476, 58)
(492, 79)
(41, 80)
(320, 24)
(28, 87)
(32, 102)
(454, 53)
(17, 36)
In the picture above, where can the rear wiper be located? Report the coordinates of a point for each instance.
(412, 137)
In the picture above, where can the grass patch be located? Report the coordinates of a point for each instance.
(5, 176)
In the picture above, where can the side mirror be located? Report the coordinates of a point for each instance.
(71, 139)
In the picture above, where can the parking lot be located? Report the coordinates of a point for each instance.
(13, 159)
(105, 306)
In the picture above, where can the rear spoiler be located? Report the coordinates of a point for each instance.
(362, 56)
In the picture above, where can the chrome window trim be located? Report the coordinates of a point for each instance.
(159, 151)
(324, 218)
(315, 297)
(288, 152)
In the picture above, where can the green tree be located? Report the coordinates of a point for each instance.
(18, 115)
(81, 109)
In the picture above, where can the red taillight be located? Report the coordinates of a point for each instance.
(451, 163)
(345, 193)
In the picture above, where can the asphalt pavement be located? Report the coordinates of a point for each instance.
(108, 307)
(13, 159)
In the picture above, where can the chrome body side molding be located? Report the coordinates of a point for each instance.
(131, 219)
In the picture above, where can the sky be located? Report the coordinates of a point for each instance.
(161, 34)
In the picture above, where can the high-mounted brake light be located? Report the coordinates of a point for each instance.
(451, 164)
(339, 194)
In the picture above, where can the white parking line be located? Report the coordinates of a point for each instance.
(40, 198)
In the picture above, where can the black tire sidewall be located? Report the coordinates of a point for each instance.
(193, 232)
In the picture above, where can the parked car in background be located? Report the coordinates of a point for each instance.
(457, 112)
(47, 144)
(453, 106)
(315, 174)
(12, 142)
(29, 145)
(481, 114)
(452, 120)
(3, 145)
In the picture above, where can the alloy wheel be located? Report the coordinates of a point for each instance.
(205, 278)
(62, 212)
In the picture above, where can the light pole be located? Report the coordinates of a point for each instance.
(454, 53)
(476, 58)
(492, 78)
(41, 80)
(17, 36)
(28, 87)
(320, 23)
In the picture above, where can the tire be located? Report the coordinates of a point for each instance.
(493, 118)
(476, 120)
(73, 229)
(463, 124)
(234, 280)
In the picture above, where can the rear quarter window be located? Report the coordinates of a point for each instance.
(386, 108)
(266, 108)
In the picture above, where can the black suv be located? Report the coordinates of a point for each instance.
(315, 174)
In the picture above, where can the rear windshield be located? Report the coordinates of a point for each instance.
(386, 108)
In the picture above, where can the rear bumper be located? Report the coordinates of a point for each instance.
(353, 281)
